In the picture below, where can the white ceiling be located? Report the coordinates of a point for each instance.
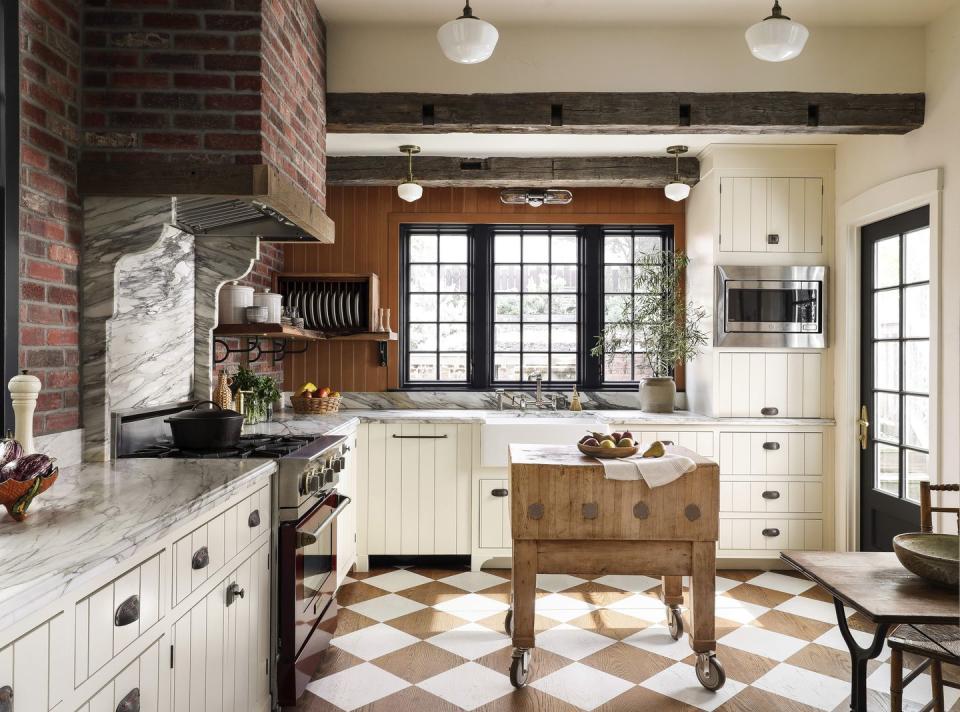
(467, 145)
(840, 13)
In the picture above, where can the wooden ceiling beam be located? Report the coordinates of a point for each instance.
(443, 171)
(623, 113)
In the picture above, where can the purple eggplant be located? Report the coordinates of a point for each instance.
(27, 467)
(10, 450)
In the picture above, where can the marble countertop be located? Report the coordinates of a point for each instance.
(98, 515)
(287, 421)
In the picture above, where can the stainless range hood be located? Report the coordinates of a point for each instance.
(222, 200)
(236, 218)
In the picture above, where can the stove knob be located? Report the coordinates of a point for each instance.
(338, 464)
(329, 475)
(343, 462)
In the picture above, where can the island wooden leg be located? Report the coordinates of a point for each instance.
(524, 591)
(703, 585)
(672, 588)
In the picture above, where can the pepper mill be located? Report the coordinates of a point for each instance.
(24, 390)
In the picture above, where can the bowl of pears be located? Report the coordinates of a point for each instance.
(608, 445)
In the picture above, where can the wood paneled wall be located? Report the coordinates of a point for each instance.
(367, 240)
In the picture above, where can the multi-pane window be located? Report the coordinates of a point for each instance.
(486, 306)
(901, 353)
(622, 249)
(535, 286)
(438, 296)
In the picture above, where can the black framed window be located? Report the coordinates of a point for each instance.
(622, 247)
(486, 306)
(9, 196)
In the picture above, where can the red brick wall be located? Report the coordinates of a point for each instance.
(50, 220)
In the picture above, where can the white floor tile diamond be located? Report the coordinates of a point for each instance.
(656, 639)
(572, 642)
(634, 584)
(468, 686)
(385, 608)
(738, 611)
(471, 641)
(766, 643)
(557, 582)
(582, 686)
(357, 686)
(917, 691)
(810, 608)
(779, 582)
(834, 639)
(374, 641)
(472, 607)
(642, 606)
(810, 688)
(562, 608)
(473, 581)
(725, 584)
(398, 580)
(680, 682)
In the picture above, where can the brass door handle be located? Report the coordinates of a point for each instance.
(863, 424)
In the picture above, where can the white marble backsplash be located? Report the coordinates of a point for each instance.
(66, 446)
(483, 400)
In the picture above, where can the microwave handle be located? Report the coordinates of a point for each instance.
(308, 538)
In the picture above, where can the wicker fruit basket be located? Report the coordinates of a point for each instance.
(318, 405)
(16, 495)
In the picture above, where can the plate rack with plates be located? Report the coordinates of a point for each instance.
(333, 304)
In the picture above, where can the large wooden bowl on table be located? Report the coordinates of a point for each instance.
(608, 452)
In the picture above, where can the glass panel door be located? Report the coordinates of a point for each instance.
(895, 379)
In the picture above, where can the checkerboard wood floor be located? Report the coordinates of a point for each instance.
(425, 639)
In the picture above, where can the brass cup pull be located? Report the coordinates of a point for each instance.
(771, 494)
(772, 445)
(200, 559)
(127, 612)
(499, 492)
(130, 702)
(772, 532)
(769, 410)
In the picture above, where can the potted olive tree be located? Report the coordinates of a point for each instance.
(665, 328)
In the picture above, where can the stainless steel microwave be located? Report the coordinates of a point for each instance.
(771, 307)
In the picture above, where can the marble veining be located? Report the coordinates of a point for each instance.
(479, 400)
(98, 515)
(66, 446)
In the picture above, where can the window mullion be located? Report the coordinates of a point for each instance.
(481, 307)
(590, 304)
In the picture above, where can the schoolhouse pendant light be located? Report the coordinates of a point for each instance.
(410, 190)
(676, 189)
(776, 38)
(468, 39)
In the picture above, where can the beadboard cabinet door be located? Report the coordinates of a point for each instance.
(786, 385)
(417, 483)
(771, 214)
(36, 666)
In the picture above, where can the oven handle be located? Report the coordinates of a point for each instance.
(308, 538)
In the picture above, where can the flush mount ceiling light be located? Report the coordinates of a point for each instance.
(676, 189)
(468, 39)
(410, 190)
(776, 38)
(534, 197)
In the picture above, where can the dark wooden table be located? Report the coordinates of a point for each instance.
(876, 585)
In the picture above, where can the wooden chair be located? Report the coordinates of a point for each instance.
(937, 644)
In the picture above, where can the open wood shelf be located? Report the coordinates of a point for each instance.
(267, 331)
(366, 336)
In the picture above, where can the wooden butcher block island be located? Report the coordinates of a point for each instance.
(566, 517)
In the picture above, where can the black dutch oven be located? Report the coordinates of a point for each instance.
(205, 429)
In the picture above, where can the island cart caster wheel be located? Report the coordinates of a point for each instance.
(520, 667)
(675, 622)
(710, 672)
(508, 623)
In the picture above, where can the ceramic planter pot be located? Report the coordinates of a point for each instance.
(657, 394)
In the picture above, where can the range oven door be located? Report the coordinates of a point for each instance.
(306, 593)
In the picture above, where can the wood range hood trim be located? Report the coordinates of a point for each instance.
(256, 184)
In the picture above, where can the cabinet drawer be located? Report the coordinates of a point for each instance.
(139, 681)
(33, 666)
(754, 385)
(771, 534)
(771, 453)
(110, 619)
(785, 496)
(494, 514)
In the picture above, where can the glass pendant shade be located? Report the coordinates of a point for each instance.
(410, 191)
(676, 191)
(468, 39)
(776, 38)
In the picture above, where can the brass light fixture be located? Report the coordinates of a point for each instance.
(410, 190)
(676, 189)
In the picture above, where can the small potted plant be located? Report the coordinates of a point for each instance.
(263, 392)
(665, 328)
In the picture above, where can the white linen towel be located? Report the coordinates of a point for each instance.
(655, 471)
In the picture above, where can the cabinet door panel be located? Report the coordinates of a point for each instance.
(759, 195)
(491, 514)
(215, 612)
(812, 215)
(778, 214)
(741, 384)
(446, 502)
(775, 386)
(31, 655)
(180, 675)
(393, 521)
(796, 215)
(377, 452)
(410, 493)
(427, 501)
(741, 214)
(811, 386)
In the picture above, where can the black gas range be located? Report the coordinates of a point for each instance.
(254, 445)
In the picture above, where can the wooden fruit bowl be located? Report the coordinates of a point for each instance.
(608, 452)
(17, 495)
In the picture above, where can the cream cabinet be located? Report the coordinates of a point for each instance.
(766, 384)
(136, 687)
(493, 496)
(414, 489)
(32, 667)
(771, 214)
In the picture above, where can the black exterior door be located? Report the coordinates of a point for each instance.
(895, 368)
